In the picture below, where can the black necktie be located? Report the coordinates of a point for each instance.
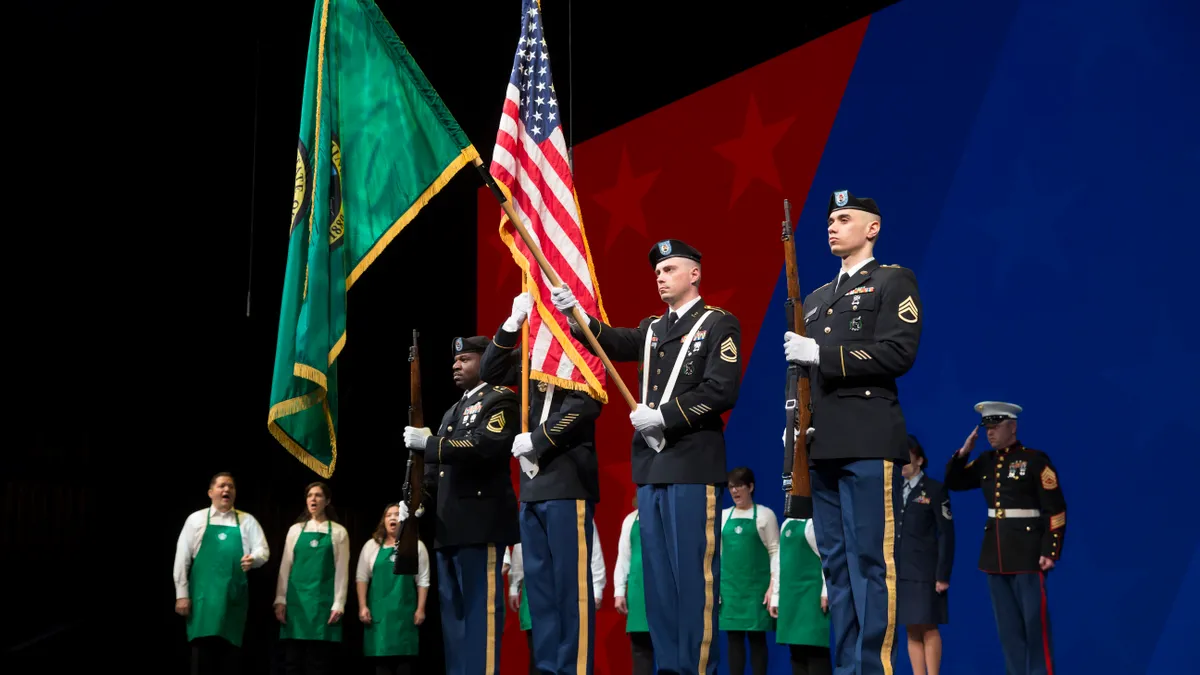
(670, 322)
(841, 280)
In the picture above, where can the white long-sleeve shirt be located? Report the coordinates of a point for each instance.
(254, 542)
(516, 570)
(624, 555)
(768, 532)
(341, 561)
(810, 535)
(370, 551)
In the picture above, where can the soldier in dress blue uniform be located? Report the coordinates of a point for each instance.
(865, 329)
(557, 504)
(1023, 537)
(925, 556)
(467, 476)
(689, 374)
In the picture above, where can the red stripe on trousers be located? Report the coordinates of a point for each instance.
(1045, 626)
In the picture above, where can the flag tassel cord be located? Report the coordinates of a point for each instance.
(580, 318)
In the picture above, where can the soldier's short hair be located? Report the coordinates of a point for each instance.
(915, 446)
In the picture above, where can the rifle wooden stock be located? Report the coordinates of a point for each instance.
(413, 492)
(797, 501)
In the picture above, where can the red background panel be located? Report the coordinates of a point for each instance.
(710, 169)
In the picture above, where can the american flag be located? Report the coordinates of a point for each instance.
(530, 161)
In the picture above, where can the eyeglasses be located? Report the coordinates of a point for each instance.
(738, 487)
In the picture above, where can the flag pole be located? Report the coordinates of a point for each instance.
(580, 317)
(525, 362)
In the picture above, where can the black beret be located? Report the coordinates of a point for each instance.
(844, 199)
(672, 248)
(470, 345)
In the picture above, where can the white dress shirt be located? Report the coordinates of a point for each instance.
(768, 532)
(341, 560)
(624, 555)
(370, 550)
(850, 274)
(682, 308)
(810, 534)
(516, 570)
(909, 485)
(190, 538)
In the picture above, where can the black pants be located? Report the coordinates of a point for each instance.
(737, 651)
(215, 656)
(643, 653)
(309, 657)
(810, 660)
(393, 665)
(532, 661)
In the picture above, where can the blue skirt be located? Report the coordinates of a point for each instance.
(918, 602)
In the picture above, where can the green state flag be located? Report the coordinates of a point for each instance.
(376, 144)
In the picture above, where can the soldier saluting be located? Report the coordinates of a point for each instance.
(689, 373)
(1023, 538)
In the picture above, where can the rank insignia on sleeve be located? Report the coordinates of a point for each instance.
(496, 423)
(1058, 521)
(1049, 479)
(729, 351)
(908, 311)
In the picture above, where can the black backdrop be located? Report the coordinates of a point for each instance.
(144, 139)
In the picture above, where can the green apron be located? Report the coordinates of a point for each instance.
(801, 621)
(310, 589)
(635, 592)
(218, 589)
(526, 621)
(745, 576)
(392, 599)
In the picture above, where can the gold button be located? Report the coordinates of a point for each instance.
(658, 372)
(442, 474)
(997, 494)
(827, 329)
(829, 312)
(479, 493)
(997, 481)
(662, 354)
(867, 392)
(651, 405)
(999, 513)
(449, 427)
(1028, 528)
(1054, 543)
(656, 387)
(1000, 465)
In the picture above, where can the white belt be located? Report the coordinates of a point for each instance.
(1015, 513)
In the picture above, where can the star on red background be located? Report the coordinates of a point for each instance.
(753, 153)
(623, 200)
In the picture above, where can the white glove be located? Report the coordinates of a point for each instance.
(521, 307)
(403, 511)
(563, 299)
(655, 439)
(522, 445)
(802, 350)
(646, 419)
(414, 437)
(807, 435)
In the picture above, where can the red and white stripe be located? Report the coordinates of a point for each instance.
(543, 195)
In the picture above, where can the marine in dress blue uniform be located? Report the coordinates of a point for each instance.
(924, 559)
(689, 375)
(557, 504)
(864, 330)
(1023, 537)
(468, 480)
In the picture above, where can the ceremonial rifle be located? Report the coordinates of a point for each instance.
(797, 500)
(414, 472)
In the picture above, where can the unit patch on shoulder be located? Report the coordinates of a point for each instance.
(1049, 479)
(729, 351)
(908, 311)
(496, 423)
